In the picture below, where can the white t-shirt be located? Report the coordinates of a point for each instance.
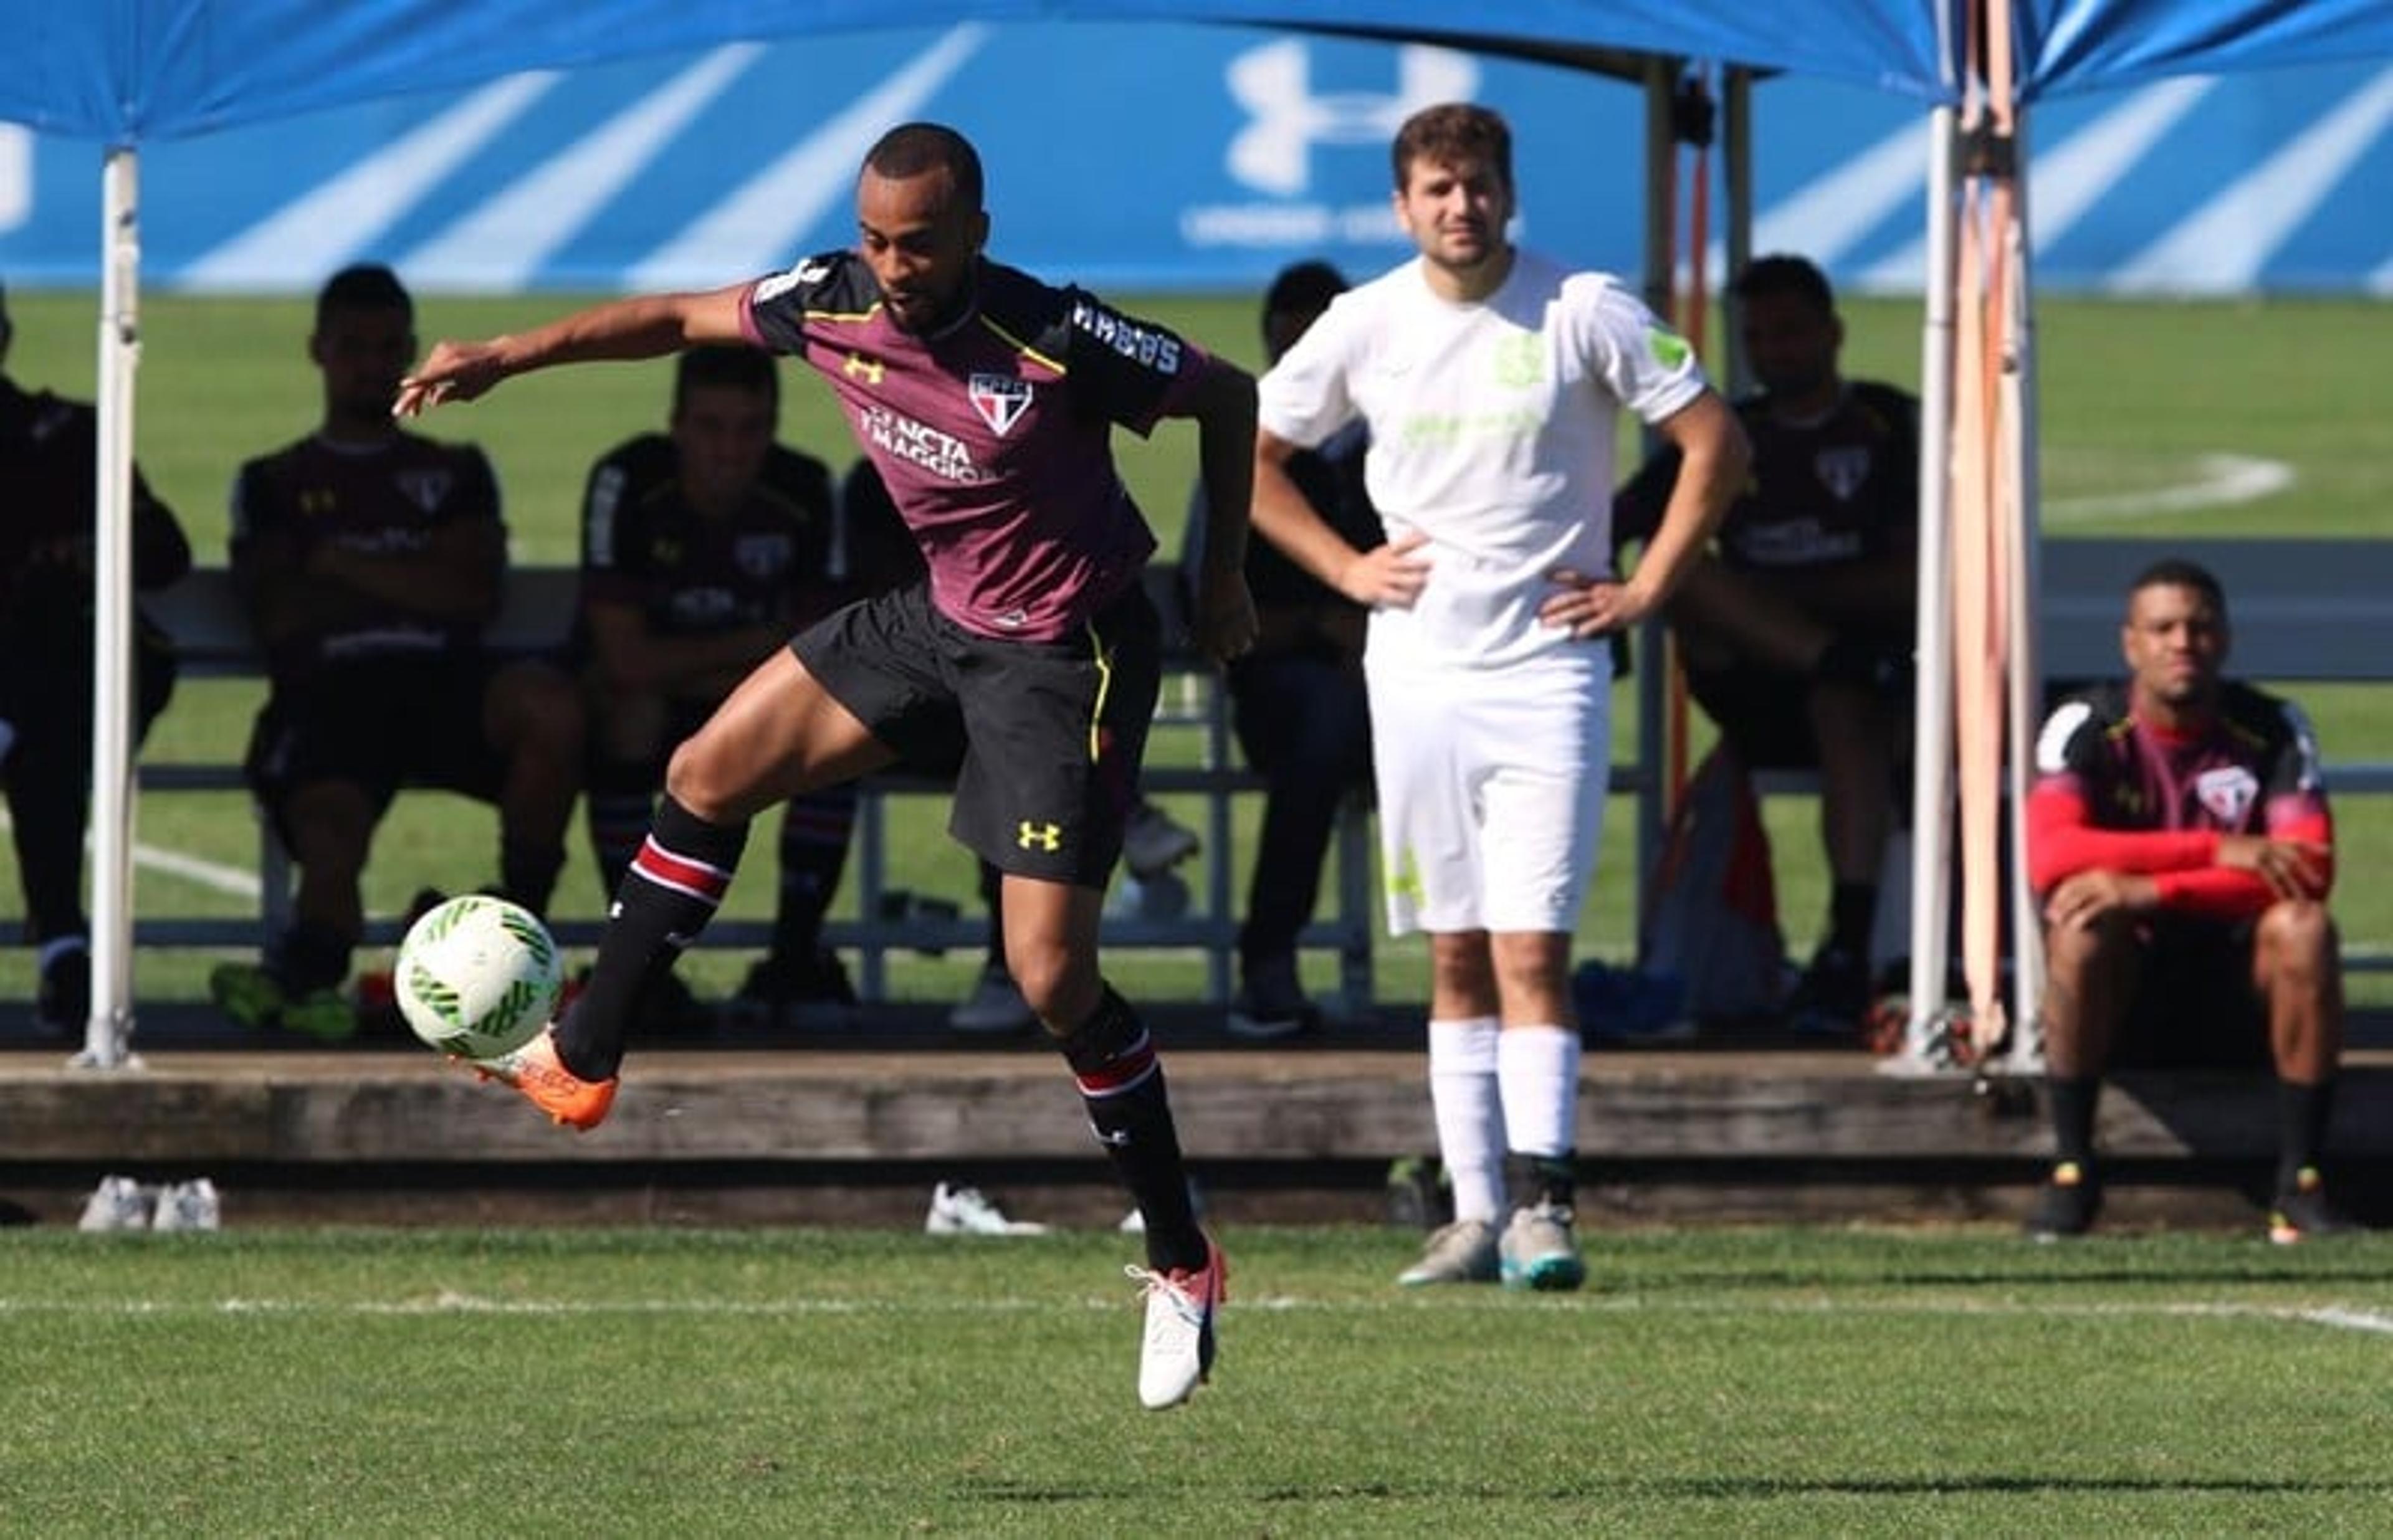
(1492, 427)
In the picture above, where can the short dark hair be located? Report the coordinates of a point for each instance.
(1452, 132)
(726, 365)
(1303, 286)
(1782, 274)
(2178, 572)
(362, 286)
(911, 149)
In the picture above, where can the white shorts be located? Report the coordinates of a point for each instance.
(1492, 785)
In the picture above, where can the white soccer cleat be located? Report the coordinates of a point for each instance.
(188, 1206)
(118, 1203)
(1177, 1355)
(965, 1211)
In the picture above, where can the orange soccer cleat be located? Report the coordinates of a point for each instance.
(536, 1071)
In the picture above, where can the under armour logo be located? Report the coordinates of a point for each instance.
(1273, 83)
(1047, 837)
(861, 367)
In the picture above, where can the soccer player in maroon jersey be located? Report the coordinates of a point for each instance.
(48, 524)
(1793, 632)
(2179, 836)
(370, 560)
(1029, 654)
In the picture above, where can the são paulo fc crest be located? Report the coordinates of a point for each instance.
(1842, 469)
(2226, 793)
(1001, 399)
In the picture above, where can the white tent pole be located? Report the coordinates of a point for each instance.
(2027, 588)
(1736, 158)
(109, 1030)
(1931, 783)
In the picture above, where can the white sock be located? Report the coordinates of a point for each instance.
(1462, 1093)
(1537, 1068)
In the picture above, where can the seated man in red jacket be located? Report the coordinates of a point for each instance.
(2180, 839)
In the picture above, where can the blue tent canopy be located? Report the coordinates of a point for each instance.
(123, 72)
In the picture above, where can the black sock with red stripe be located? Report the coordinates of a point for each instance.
(676, 880)
(1121, 1083)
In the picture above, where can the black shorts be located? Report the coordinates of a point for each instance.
(2194, 1006)
(380, 723)
(1044, 739)
(1766, 717)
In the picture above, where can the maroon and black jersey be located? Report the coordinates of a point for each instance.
(50, 455)
(1842, 489)
(385, 499)
(993, 435)
(768, 562)
(2117, 793)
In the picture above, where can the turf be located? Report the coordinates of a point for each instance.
(2134, 396)
(1863, 1382)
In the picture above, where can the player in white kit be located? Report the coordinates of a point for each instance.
(1490, 379)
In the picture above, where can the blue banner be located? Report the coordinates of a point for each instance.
(1156, 157)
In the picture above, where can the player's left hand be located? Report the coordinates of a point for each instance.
(1593, 607)
(2082, 901)
(451, 371)
(1223, 626)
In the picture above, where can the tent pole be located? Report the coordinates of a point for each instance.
(1736, 161)
(1931, 788)
(109, 1029)
(2027, 666)
(1653, 639)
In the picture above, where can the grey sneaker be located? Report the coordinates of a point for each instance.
(1154, 841)
(118, 1203)
(994, 1009)
(1463, 1252)
(1539, 1251)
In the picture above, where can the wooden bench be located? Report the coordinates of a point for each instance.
(212, 640)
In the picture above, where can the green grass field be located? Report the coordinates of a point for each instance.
(642, 1383)
(2134, 398)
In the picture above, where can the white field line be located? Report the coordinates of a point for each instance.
(448, 1303)
(2218, 481)
(240, 882)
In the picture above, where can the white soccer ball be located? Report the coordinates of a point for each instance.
(478, 976)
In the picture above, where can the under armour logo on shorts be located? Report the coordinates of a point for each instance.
(1046, 837)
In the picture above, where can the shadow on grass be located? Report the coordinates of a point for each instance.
(1718, 1488)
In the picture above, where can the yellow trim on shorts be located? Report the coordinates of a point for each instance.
(1104, 660)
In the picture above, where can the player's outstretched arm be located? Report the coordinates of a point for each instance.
(644, 326)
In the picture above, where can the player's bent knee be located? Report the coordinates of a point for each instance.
(2299, 929)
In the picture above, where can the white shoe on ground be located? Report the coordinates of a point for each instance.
(188, 1206)
(118, 1203)
(961, 1210)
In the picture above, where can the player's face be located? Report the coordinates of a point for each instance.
(1791, 344)
(2175, 644)
(1455, 211)
(722, 435)
(921, 244)
(362, 355)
